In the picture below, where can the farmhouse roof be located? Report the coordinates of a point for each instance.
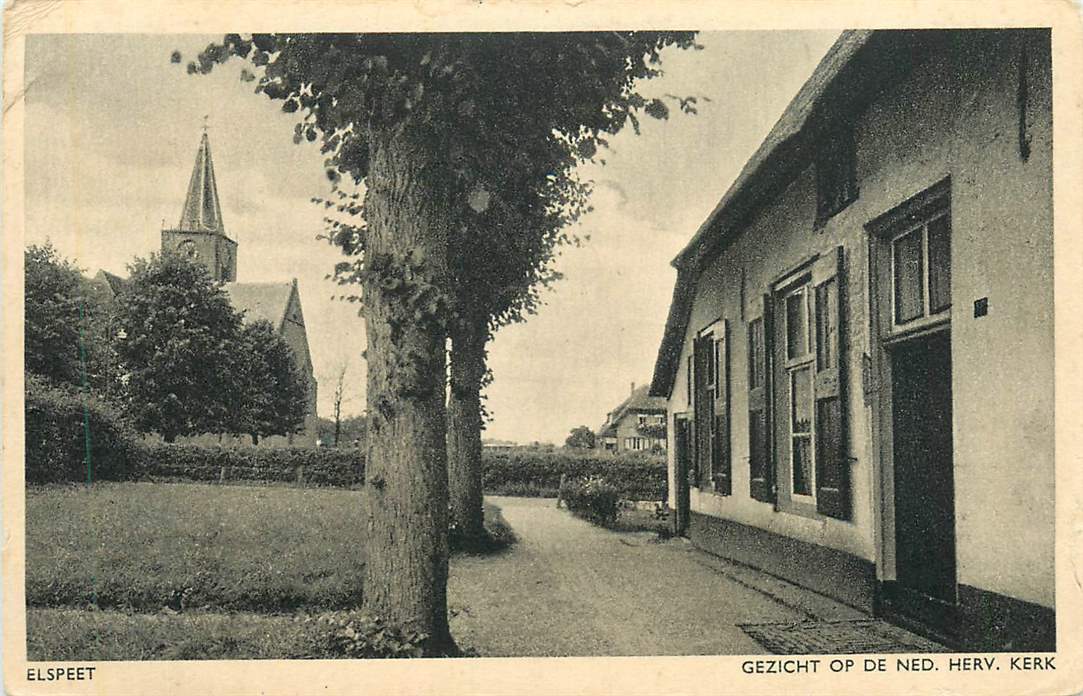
(857, 67)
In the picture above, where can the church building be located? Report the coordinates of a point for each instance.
(201, 236)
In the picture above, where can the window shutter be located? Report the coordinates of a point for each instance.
(832, 456)
(721, 465)
(703, 407)
(681, 440)
(761, 470)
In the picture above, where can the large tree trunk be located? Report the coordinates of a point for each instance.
(405, 497)
(464, 426)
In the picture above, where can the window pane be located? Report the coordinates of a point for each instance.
(802, 465)
(827, 325)
(908, 268)
(801, 400)
(796, 325)
(939, 264)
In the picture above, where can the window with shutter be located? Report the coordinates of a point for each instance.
(810, 445)
(703, 408)
(721, 463)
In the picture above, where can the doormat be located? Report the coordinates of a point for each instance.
(838, 638)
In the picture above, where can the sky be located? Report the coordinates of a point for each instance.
(112, 129)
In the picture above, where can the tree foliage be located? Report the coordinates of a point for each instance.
(508, 115)
(66, 323)
(177, 343)
(191, 366)
(272, 392)
(581, 437)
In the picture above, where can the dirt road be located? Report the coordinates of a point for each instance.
(570, 588)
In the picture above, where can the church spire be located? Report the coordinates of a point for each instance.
(202, 212)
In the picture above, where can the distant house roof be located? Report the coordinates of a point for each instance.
(266, 301)
(858, 67)
(639, 400)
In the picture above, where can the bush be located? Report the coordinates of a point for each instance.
(72, 436)
(344, 468)
(358, 636)
(497, 535)
(593, 498)
(539, 472)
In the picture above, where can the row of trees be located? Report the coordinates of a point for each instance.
(169, 348)
(466, 147)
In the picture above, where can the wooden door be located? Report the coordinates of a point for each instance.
(924, 473)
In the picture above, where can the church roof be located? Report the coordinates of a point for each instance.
(110, 282)
(202, 211)
(267, 301)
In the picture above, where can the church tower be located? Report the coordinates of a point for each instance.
(201, 234)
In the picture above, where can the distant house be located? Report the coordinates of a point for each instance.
(636, 425)
(858, 358)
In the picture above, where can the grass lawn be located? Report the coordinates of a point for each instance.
(77, 635)
(190, 571)
(145, 546)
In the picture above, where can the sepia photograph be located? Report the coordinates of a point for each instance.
(575, 343)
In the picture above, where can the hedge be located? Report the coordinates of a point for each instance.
(72, 436)
(530, 472)
(304, 466)
(56, 453)
(535, 473)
